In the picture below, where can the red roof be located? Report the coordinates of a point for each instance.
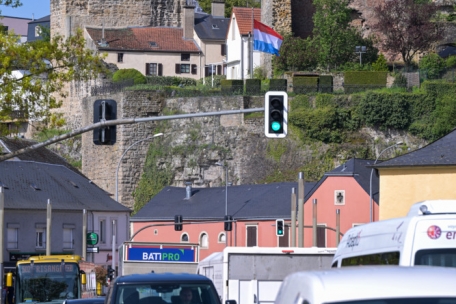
(244, 18)
(161, 39)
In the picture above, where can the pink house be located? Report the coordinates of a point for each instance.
(255, 208)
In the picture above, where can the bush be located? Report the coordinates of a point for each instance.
(431, 66)
(127, 74)
(400, 81)
(380, 64)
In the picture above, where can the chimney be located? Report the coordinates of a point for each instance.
(218, 8)
(189, 18)
(188, 190)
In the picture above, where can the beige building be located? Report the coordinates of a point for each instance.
(424, 174)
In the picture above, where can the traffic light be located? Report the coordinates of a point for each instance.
(276, 114)
(228, 223)
(111, 272)
(104, 109)
(280, 227)
(178, 222)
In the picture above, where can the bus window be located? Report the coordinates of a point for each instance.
(386, 258)
(334, 265)
(436, 257)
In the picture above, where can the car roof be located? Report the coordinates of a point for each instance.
(162, 278)
(367, 282)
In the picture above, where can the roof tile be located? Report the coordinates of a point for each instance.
(244, 18)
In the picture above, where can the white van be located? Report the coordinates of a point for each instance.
(426, 236)
(370, 284)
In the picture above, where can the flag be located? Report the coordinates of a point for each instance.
(265, 39)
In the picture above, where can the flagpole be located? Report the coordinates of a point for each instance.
(251, 47)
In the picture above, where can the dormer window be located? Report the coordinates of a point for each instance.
(153, 44)
(215, 27)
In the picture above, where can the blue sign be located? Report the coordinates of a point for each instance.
(157, 254)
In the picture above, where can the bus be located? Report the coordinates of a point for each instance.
(426, 236)
(49, 278)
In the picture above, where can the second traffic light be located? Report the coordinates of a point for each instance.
(103, 110)
(280, 227)
(228, 223)
(178, 222)
(276, 114)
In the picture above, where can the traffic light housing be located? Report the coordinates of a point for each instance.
(228, 223)
(111, 272)
(104, 109)
(276, 114)
(178, 222)
(280, 227)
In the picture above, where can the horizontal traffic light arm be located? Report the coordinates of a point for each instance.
(124, 121)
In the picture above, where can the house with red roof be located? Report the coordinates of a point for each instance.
(241, 59)
(196, 50)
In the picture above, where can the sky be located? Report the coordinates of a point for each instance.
(39, 9)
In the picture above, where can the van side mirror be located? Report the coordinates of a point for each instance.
(9, 279)
(83, 278)
(230, 302)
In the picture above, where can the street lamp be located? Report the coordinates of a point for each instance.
(372, 171)
(360, 50)
(118, 164)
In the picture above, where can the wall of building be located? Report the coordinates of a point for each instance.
(400, 188)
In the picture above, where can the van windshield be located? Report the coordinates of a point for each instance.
(439, 300)
(170, 293)
(436, 257)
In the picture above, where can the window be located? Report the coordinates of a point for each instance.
(154, 69)
(114, 229)
(386, 258)
(103, 231)
(40, 238)
(339, 197)
(222, 237)
(284, 240)
(321, 236)
(251, 236)
(185, 68)
(38, 31)
(68, 240)
(436, 257)
(184, 237)
(12, 236)
(204, 241)
(120, 57)
(185, 57)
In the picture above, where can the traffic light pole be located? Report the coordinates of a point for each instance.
(124, 121)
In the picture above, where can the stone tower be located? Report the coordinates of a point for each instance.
(68, 15)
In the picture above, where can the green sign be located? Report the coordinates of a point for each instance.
(92, 238)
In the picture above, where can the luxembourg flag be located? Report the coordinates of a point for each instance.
(265, 39)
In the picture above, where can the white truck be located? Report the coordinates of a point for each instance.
(254, 274)
(426, 236)
(146, 257)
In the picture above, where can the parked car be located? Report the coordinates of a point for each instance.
(162, 288)
(370, 284)
(97, 300)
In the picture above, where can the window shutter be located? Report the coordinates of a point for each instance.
(194, 69)
(147, 69)
(178, 68)
(219, 70)
(160, 69)
(223, 49)
(206, 71)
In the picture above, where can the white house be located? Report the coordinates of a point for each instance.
(241, 58)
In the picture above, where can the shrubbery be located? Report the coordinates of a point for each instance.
(127, 74)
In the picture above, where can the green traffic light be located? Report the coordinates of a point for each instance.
(280, 232)
(275, 126)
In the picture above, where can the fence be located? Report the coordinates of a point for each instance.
(111, 88)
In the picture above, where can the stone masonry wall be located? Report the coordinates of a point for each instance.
(67, 15)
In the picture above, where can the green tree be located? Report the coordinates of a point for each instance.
(12, 3)
(432, 65)
(33, 75)
(296, 54)
(229, 4)
(334, 39)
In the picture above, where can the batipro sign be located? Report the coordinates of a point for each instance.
(161, 254)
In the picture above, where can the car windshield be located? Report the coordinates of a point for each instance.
(435, 300)
(166, 294)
